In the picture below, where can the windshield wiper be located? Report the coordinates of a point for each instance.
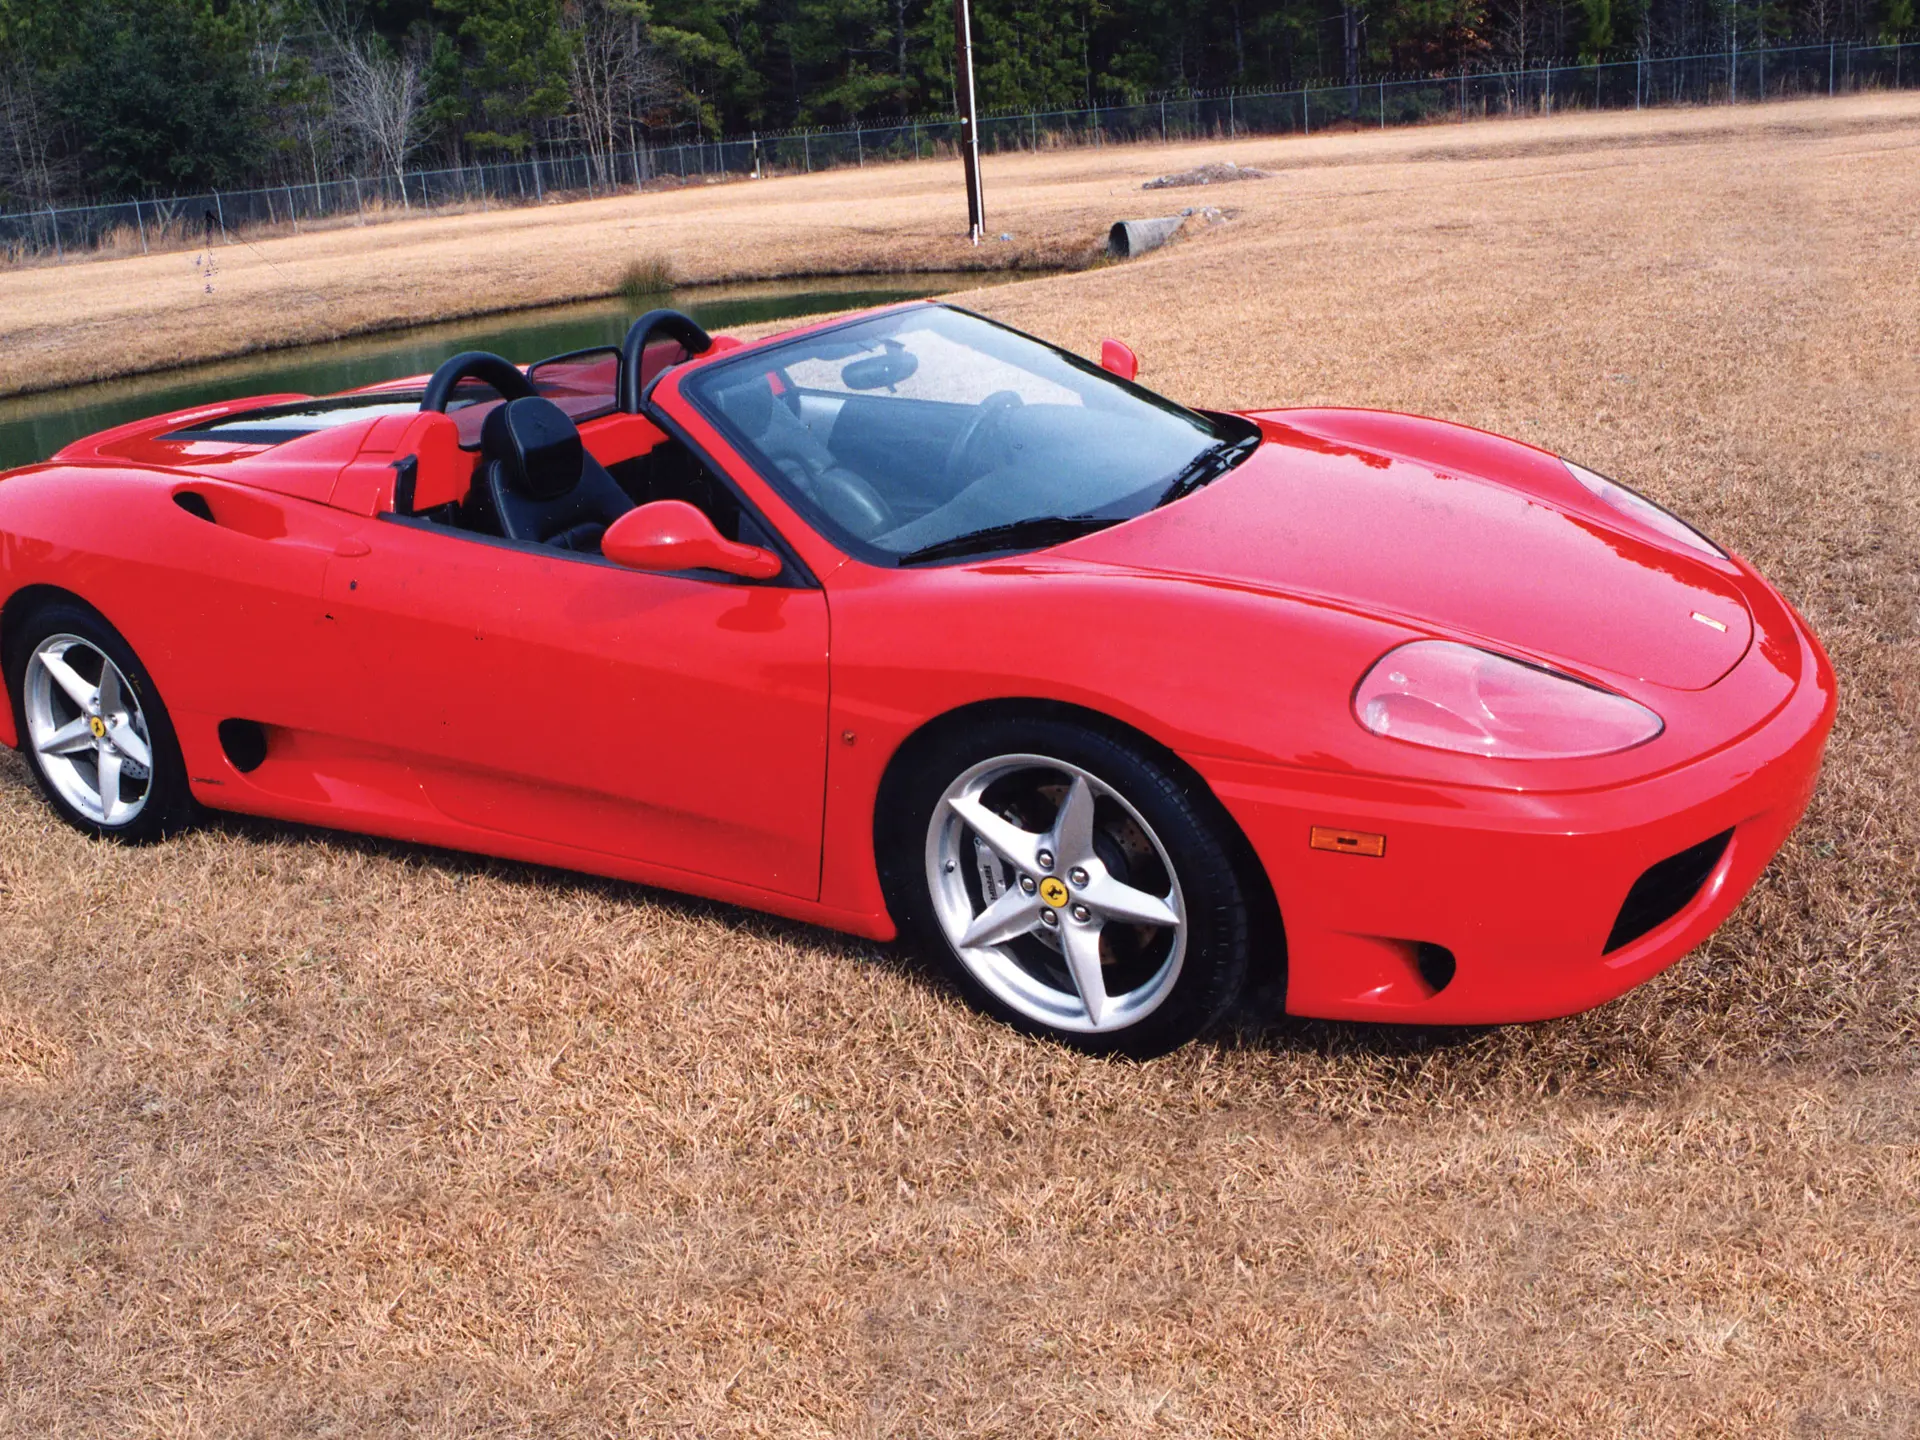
(1032, 533)
(1209, 465)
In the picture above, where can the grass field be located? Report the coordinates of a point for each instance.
(301, 1134)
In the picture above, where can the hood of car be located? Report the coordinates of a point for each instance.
(1483, 539)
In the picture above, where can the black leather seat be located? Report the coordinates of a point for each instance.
(538, 483)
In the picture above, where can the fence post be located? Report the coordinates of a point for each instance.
(806, 150)
(143, 226)
(1306, 119)
(59, 254)
(1232, 129)
(359, 201)
(1829, 69)
(292, 213)
(220, 214)
(1383, 104)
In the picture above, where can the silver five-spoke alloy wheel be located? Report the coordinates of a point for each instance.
(85, 724)
(1056, 894)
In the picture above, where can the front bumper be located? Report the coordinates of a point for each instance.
(1523, 890)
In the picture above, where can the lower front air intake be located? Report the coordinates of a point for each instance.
(1666, 889)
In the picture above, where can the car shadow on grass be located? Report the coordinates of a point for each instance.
(1258, 1022)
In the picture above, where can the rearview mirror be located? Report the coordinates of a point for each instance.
(888, 368)
(1119, 359)
(673, 535)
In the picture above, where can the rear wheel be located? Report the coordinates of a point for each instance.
(1072, 884)
(93, 728)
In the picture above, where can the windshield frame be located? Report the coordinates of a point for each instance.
(698, 381)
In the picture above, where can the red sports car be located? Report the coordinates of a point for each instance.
(910, 624)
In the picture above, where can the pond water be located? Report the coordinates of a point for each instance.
(32, 427)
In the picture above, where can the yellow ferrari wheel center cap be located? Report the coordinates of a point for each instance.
(1053, 890)
(98, 726)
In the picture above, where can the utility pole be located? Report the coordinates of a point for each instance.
(969, 118)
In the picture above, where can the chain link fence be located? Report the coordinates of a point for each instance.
(1734, 76)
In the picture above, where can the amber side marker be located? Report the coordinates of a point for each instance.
(1347, 842)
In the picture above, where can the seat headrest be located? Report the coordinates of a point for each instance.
(749, 404)
(537, 446)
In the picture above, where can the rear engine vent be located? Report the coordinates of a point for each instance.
(245, 742)
(1666, 889)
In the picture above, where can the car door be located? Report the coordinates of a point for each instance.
(671, 719)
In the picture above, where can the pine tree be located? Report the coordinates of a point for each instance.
(517, 66)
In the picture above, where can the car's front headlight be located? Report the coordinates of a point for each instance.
(1454, 697)
(1632, 502)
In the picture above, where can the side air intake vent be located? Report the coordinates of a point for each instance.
(245, 742)
(1666, 889)
(194, 503)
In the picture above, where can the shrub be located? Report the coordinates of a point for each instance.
(646, 278)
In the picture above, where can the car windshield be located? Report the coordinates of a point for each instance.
(929, 433)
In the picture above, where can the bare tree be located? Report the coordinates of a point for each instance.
(615, 76)
(29, 173)
(378, 97)
(1516, 32)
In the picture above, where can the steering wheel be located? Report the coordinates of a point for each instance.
(660, 325)
(502, 374)
(985, 418)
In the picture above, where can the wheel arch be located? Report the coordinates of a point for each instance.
(1268, 927)
(14, 613)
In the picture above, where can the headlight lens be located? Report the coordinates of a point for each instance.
(1633, 503)
(1454, 697)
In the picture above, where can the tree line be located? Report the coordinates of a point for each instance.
(111, 99)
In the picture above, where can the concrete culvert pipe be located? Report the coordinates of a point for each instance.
(1128, 238)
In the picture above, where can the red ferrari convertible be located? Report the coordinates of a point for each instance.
(910, 624)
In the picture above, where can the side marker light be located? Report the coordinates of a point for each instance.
(1347, 842)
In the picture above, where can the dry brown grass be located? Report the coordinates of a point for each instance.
(303, 1134)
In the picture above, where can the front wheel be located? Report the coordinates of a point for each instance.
(1073, 885)
(93, 728)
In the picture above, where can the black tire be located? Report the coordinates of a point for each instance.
(1188, 822)
(168, 806)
